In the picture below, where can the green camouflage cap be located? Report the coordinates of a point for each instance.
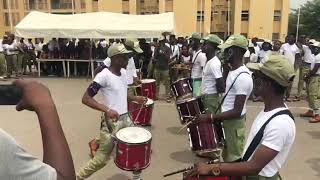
(277, 68)
(235, 40)
(133, 44)
(212, 38)
(117, 49)
(195, 36)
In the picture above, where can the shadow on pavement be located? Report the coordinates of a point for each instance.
(174, 130)
(314, 164)
(185, 156)
(314, 134)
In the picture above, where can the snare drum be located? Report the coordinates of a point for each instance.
(133, 148)
(189, 108)
(148, 88)
(182, 88)
(203, 138)
(141, 114)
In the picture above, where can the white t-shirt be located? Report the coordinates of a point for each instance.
(174, 51)
(199, 60)
(316, 61)
(130, 70)
(11, 48)
(290, 51)
(1, 48)
(114, 89)
(38, 47)
(242, 86)
(185, 59)
(308, 56)
(211, 72)
(278, 135)
(16, 163)
(257, 48)
(263, 54)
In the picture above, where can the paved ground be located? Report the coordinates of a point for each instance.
(170, 150)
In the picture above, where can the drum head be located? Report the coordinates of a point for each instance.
(146, 81)
(133, 135)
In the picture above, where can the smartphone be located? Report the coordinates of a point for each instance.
(9, 94)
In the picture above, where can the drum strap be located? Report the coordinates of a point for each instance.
(224, 97)
(257, 139)
(195, 58)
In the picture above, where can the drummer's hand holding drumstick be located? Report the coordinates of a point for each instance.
(200, 169)
(138, 99)
(112, 114)
(203, 118)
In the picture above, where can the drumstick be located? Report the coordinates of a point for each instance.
(183, 127)
(187, 169)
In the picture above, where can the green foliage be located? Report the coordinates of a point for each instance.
(309, 20)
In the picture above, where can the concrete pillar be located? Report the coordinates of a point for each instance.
(162, 6)
(186, 17)
(284, 19)
(133, 6)
(236, 8)
(207, 17)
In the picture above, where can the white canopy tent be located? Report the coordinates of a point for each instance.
(94, 25)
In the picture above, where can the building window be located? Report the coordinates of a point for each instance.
(125, 12)
(125, 0)
(275, 36)
(277, 15)
(200, 16)
(245, 16)
(6, 19)
(141, 1)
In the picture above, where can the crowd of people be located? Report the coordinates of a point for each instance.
(224, 73)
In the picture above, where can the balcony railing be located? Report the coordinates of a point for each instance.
(36, 6)
(61, 5)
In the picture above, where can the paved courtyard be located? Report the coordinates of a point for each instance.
(170, 150)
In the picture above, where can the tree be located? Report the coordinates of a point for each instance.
(309, 20)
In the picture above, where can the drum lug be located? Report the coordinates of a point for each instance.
(127, 155)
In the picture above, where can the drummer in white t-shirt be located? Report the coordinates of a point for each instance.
(277, 139)
(212, 80)
(199, 60)
(233, 110)
(112, 82)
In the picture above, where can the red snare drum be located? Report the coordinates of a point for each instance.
(203, 138)
(133, 148)
(189, 108)
(141, 114)
(148, 88)
(182, 88)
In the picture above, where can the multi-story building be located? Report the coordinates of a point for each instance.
(265, 19)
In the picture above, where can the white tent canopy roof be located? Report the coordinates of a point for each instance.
(94, 25)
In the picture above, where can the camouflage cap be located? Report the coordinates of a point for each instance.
(212, 38)
(133, 44)
(235, 40)
(277, 68)
(117, 49)
(196, 36)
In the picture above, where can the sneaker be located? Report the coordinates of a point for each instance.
(307, 114)
(315, 119)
